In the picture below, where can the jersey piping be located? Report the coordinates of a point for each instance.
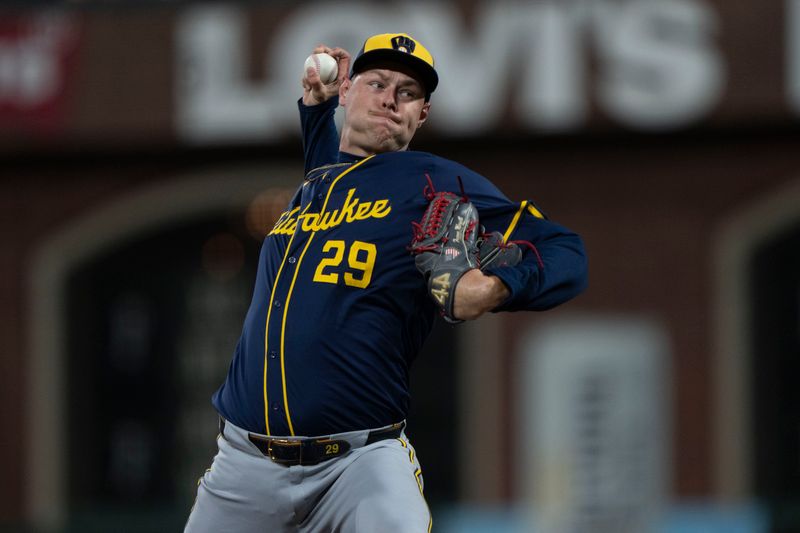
(535, 212)
(515, 220)
(523, 206)
(288, 300)
(266, 328)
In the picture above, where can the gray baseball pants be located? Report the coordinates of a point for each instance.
(370, 489)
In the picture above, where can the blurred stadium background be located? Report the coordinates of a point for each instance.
(147, 146)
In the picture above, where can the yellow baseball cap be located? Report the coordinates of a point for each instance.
(402, 48)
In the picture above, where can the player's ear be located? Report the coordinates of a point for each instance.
(344, 88)
(423, 113)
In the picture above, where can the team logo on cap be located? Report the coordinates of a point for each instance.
(401, 43)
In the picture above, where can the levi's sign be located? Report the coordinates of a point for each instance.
(542, 66)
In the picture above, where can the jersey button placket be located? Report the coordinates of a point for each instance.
(278, 423)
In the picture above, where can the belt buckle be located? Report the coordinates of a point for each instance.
(285, 442)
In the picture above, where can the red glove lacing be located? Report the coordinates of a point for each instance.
(521, 243)
(439, 205)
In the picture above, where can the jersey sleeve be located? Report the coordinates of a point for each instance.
(554, 265)
(320, 139)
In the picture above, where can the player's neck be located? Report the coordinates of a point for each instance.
(354, 149)
(354, 144)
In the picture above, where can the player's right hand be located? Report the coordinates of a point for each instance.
(314, 91)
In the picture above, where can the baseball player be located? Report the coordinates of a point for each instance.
(312, 413)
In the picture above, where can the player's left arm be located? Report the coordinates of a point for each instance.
(478, 293)
(553, 268)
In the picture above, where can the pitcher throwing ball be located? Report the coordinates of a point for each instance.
(376, 242)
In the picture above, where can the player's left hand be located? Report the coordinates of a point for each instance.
(451, 251)
(314, 91)
(476, 293)
(445, 245)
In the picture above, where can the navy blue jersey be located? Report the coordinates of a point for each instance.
(340, 311)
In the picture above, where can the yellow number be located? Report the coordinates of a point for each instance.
(364, 266)
(361, 258)
(439, 287)
(442, 280)
(331, 448)
(333, 277)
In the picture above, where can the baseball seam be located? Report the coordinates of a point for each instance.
(317, 65)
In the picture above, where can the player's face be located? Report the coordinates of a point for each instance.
(384, 107)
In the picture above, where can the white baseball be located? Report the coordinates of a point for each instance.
(325, 65)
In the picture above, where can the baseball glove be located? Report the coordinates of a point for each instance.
(445, 245)
(494, 252)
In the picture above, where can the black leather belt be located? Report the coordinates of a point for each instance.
(306, 452)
